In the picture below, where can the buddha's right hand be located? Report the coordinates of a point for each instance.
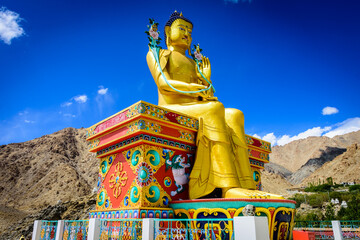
(198, 87)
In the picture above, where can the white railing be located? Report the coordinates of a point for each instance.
(151, 229)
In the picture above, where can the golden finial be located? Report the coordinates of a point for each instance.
(181, 14)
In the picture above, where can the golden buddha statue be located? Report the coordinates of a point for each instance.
(222, 155)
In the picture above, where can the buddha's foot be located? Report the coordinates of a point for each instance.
(245, 193)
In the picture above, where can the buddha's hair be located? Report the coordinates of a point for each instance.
(174, 16)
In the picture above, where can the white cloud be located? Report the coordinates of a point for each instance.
(312, 132)
(81, 99)
(23, 113)
(270, 137)
(102, 90)
(255, 135)
(66, 104)
(69, 115)
(347, 126)
(9, 25)
(28, 121)
(329, 110)
(285, 139)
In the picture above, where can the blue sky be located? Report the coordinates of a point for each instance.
(73, 63)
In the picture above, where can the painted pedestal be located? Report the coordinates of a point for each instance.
(280, 213)
(146, 153)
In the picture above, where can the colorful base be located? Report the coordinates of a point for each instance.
(280, 213)
(133, 213)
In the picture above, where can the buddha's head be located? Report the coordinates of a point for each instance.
(178, 31)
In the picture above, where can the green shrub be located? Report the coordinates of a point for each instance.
(354, 187)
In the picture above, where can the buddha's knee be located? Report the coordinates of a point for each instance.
(216, 108)
(233, 115)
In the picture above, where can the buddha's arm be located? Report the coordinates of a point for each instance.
(161, 83)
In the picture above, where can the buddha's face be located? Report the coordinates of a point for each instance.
(180, 33)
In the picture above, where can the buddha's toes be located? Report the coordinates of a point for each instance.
(245, 193)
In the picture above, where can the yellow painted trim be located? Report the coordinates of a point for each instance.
(141, 114)
(260, 141)
(131, 208)
(258, 148)
(139, 117)
(252, 165)
(261, 160)
(257, 138)
(138, 143)
(95, 149)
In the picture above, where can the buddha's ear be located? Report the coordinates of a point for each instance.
(167, 31)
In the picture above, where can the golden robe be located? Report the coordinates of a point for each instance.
(221, 159)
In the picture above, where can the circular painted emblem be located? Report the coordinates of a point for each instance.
(144, 174)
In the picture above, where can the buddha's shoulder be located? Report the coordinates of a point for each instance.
(162, 53)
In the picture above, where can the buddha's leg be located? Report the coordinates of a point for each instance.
(235, 120)
(214, 164)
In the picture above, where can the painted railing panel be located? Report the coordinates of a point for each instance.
(75, 230)
(323, 229)
(129, 229)
(48, 230)
(198, 229)
(350, 229)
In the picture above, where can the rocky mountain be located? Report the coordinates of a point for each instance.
(44, 172)
(308, 160)
(294, 155)
(275, 183)
(313, 164)
(344, 168)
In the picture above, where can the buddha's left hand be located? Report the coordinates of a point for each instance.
(205, 68)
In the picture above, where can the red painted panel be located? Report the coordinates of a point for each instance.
(130, 177)
(256, 143)
(112, 136)
(121, 117)
(255, 153)
(170, 131)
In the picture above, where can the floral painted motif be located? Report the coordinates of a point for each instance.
(187, 135)
(118, 179)
(144, 125)
(188, 122)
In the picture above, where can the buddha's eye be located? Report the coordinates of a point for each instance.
(181, 29)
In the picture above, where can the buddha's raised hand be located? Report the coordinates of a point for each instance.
(205, 68)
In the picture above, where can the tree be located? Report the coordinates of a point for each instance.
(353, 209)
(329, 212)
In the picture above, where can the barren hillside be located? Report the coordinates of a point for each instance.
(44, 172)
(295, 154)
(344, 168)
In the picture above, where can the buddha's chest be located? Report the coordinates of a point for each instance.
(181, 68)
